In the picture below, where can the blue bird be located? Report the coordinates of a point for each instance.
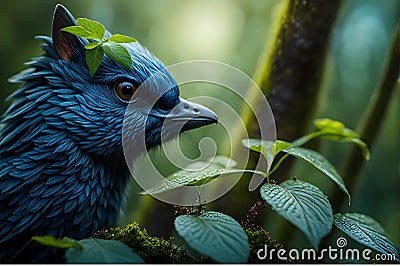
(62, 166)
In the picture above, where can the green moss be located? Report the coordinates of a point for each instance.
(159, 250)
(150, 249)
(258, 238)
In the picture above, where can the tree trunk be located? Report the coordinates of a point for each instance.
(290, 77)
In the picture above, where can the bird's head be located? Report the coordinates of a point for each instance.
(141, 101)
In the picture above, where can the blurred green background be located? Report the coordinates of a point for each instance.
(237, 33)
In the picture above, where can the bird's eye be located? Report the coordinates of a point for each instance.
(125, 90)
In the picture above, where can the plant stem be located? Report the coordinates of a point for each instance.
(372, 121)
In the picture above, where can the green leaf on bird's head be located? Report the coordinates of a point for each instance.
(118, 53)
(119, 38)
(93, 58)
(95, 28)
(92, 45)
(95, 51)
(79, 31)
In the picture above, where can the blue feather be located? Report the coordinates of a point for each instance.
(62, 169)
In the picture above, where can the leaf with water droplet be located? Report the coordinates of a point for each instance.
(198, 174)
(216, 235)
(366, 231)
(302, 204)
(320, 163)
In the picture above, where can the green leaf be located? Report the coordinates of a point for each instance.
(223, 161)
(194, 178)
(366, 231)
(92, 45)
(96, 29)
(51, 241)
(302, 204)
(265, 147)
(118, 53)
(216, 235)
(79, 31)
(334, 131)
(119, 38)
(259, 144)
(330, 125)
(93, 58)
(102, 251)
(199, 173)
(280, 145)
(320, 163)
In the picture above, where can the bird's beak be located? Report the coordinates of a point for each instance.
(193, 115)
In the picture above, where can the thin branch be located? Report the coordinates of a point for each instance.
(372, 121)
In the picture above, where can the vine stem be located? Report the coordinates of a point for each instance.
(372, 121)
